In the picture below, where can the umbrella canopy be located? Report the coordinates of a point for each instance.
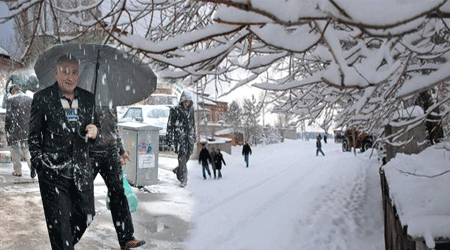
(25, 79)
(114, 76)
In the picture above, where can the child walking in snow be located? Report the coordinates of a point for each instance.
(218, 159)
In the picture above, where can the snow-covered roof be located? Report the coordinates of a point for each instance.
(228, 131)
(201, 110)
(225, 131)
(422, 203)
(217, 140)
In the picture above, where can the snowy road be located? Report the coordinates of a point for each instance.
(289, 199)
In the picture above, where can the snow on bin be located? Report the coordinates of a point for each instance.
(141, 141)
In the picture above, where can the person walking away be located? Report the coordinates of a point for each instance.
(218, 162)
(325, 138)
(181, 134)
(17, 126)
(204, 158)
(319, 146)
(213, 164)
(246, 151)
(107, 157)
(61, 130)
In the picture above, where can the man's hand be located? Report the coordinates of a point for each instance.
(91, 131)
(124, 158)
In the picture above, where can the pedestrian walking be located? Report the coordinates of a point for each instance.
(218, 159)
(246, 151)
(204, 158)
(213, 164)
(107, 157)
(325, 138)
(17, 126)
(319, 147)
(61, 130)
(181, 134)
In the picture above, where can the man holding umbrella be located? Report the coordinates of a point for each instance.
(61, 129)
(115, 78)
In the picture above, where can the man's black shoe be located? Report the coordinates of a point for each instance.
(132, 244)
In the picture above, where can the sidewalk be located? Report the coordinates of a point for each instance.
(163, 218)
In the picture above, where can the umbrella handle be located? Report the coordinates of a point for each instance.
(84, 137)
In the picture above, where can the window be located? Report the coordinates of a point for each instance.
(133, 113)
(158, 113)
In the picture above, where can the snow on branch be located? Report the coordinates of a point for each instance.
(140, 43)
(406, 173)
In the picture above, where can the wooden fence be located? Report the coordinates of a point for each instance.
(395, 235)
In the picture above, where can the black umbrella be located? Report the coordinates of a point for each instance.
(115, 77)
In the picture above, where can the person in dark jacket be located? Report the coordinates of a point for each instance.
(325, 138)
(213, 164)
(181, 134)
(107, 157)
(204, 158)
(61, 130)
(17, 126)
(246, 151)
(218, 159)
(319, 146)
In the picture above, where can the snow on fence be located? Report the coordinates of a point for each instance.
(396, 235)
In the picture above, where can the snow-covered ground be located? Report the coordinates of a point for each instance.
(289, 199)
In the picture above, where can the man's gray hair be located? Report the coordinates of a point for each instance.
(67, 59)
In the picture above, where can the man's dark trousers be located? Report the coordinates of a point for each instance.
(205, 168)
(107, 163)
(61, 195)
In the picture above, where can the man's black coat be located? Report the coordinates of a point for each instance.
(204, 156)
(52, 143)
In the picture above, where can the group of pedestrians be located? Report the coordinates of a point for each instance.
(181, 137)
(215, 158)
(67, 146)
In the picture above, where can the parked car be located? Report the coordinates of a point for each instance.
(155, 115)
(363, 140)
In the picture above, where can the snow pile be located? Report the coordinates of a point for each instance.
(422, 202)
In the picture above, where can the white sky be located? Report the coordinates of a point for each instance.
(7, 37)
